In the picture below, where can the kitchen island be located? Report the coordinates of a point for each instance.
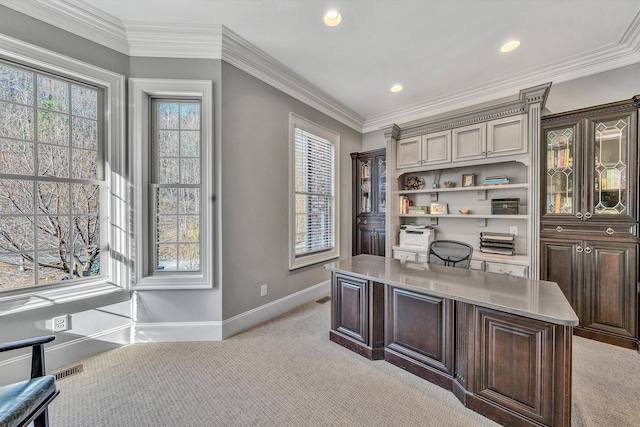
(501, 344)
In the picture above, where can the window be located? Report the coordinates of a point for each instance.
(176, 187)
(52, 180)
(313, 207)
(172, 182)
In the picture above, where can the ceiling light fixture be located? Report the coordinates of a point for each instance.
(332, 18)
(396, 88)
(509, 46)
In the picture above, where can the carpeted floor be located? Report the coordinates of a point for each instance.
(286, 372)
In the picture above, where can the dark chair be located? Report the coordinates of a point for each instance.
(450, 253)
(24, 402)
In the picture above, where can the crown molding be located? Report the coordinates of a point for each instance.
(171, 40)
(77, 18)
(626, 52)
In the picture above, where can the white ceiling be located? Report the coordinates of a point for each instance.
(444, 52)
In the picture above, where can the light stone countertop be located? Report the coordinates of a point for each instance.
(535, 299)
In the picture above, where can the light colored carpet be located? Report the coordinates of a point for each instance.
(286, 372)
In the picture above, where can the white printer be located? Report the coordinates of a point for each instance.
(416, 236)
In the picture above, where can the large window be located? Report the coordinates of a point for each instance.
(176, 185)
(52, 180)
(314, 171)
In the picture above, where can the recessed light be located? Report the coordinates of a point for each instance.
(396, 88)
(332, 18)
(509, 46)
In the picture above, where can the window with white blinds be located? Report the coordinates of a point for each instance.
(314, 199)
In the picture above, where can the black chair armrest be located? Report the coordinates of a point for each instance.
(37, 356)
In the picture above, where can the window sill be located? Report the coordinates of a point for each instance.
(17, 303)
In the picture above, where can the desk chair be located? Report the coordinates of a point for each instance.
(450, 253)
(27, 401)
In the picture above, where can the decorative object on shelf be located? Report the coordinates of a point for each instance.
(468, 180)
(413, 183)
(449, 184)
(496, 180)
(504, 206)
(436, 179)
(465, 211)
(439, 208)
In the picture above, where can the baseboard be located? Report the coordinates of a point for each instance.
(66, 353)
(219, 330)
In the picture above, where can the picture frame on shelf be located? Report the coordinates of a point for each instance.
(438, 208)
(468, 180)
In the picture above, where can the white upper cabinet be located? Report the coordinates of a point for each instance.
(469, 142)
(507, 136)
(436, 148)
(409, 152)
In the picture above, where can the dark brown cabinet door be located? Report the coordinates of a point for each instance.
(610, 270)
(369, 174)
(559, 262)
(350, 308)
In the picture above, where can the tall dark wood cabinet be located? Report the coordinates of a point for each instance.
(589, 220)
(369, 174)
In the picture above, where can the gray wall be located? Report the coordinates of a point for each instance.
(254, 150)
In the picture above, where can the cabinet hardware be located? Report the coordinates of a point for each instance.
(587, 215)
(579, 215)
(559, 229)
(609, 231)
(579, 249)
(587, 250)
(365, 221)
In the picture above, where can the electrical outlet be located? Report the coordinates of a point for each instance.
(60, 323)
(263, 290)
(513, 230)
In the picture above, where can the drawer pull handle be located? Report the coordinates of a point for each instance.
(609, 231)
(559, 229)
(587, 250)
(587, 215)
(579, 249)
(506, 272)
(579, 215)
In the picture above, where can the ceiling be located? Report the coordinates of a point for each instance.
(444, 52)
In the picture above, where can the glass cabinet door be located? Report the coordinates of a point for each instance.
(365, 186)
(610, 167)
(560, 171)
(381, 196)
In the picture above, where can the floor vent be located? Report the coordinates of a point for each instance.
(67, 372)
(323, 300)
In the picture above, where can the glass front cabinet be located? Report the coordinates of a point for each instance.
(369, 174)
(588, 164)
(589, 241)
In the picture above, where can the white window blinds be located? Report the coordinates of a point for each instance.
(314, 193)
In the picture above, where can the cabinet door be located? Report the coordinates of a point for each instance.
(380, 186)
(436, 148)
(560, 263)
(610, 284)
(409, 152)
(469, 142)
(561, 180)
(350, 308)
(364, 185)
(380, 237)
(611, 174)
(370, 238)
(507, 136)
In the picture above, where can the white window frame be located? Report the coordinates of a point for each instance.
(295, 262)
(115, 273)
(141, 90)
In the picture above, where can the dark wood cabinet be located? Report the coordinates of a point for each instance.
(369, 174)
(357, 316)
(589, 219)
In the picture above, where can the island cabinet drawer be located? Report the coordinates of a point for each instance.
(510, 269)
(406, 255)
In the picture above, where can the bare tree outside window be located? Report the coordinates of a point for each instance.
(51, 178)
(177, 186)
